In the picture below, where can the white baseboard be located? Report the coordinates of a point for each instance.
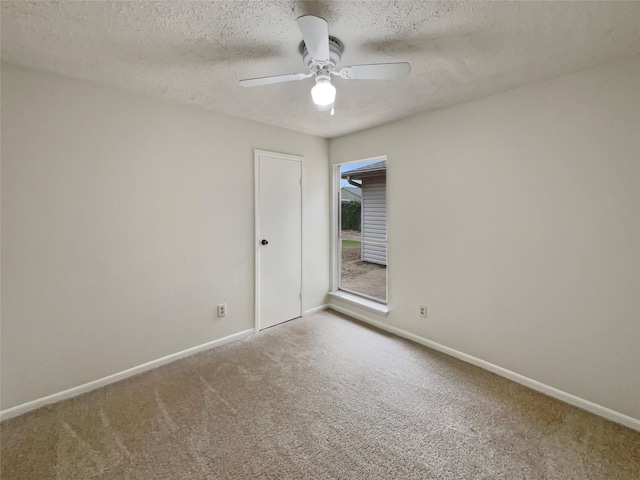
(101, 382)
(316, 309)
(605, 412)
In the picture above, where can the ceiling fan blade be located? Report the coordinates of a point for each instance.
(378, 71)
(256, 82)
(315, 32)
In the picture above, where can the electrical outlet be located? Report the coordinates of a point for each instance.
(222, 310)
(422, 311)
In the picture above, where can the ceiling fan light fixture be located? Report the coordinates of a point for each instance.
(321, 55)
(323, 92)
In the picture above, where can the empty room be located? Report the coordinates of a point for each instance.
(320, 240)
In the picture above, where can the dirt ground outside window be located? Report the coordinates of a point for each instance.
(362, 277)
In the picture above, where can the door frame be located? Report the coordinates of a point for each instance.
(256, 244)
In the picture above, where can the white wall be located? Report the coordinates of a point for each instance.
(516, 219)
(125, 220)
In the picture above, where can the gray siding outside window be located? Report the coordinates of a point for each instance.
(374, 218)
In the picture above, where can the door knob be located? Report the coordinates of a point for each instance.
(264, 241)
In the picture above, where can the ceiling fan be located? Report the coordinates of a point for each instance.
(321, 55)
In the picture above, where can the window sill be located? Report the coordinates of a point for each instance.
(357, 301)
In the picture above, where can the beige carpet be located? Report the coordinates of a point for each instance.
(317, 398)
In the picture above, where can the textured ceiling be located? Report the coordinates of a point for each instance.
(196, 52)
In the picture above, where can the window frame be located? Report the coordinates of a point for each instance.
(337, 236)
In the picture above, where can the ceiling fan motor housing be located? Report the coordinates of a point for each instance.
(335, 54)
(321, 55)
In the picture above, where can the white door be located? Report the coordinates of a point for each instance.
(278, 238)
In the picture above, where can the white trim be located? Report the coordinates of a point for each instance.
(556, 393)
(355, 296)
(256, 245)
(316, 309)
(303, 240)
(284, 156)
(360, 301)
(336, 233)
(102, 382)
(335, 227)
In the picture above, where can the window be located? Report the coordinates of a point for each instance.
(362, 229)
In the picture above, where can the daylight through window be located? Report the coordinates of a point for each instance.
(363, 229)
